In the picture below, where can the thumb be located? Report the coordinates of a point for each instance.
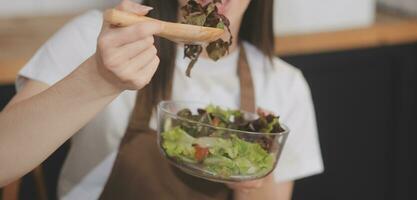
(129, 6)
(263, 112)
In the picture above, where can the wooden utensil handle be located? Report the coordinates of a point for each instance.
(180, 33)
(121, 18)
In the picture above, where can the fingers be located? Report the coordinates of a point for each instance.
(247, 185)
(121, 36)
(140, 61)
(149, 70)
(129, 51)
(138, 71)
(137, 77)
(127, 5)
(263, 112)
(127, 55)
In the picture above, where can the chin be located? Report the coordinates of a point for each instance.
(234, 10)
(224, 7)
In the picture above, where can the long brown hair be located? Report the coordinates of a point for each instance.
(256, 28)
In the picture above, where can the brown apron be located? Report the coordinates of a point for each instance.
(141, 172)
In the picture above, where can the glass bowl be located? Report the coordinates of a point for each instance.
(216, 153)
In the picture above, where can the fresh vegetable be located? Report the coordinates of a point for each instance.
(216, 150)
(208, 15)
(179, 144)
(200, 152)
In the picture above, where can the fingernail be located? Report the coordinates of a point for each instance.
(148, 8)
(142, 8)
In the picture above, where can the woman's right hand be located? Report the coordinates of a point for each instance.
(126, 56)
(125, 59)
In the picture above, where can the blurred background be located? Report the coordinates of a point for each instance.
(359, 57)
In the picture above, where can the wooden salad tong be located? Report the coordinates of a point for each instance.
(180, 33)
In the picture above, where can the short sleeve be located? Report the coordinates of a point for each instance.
(301, 156)
(64, 51)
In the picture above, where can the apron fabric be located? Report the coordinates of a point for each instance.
(140, 170)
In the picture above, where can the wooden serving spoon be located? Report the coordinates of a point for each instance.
(180, 33)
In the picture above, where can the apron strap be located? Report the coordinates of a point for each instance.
(247, 91)
(139, 121)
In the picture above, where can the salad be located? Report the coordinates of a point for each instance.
(207, 140)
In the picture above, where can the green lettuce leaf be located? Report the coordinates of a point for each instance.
(221, 165)
(236, 156)
(219, 146)
(227, 156)
(226, 115)
(252, 157)
(177, 143)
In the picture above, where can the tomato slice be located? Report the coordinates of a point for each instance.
(216, 121)
(200, 153)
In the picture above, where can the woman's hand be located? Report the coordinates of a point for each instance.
(247, 186)
(252, 189)
(126, 57)
(265, 189)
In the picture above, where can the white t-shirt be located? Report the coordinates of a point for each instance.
(280, 88)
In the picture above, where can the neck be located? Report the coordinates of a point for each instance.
(234, 29)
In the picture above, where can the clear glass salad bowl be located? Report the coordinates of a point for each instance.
(193, 137)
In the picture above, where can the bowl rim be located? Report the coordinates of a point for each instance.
(161, 108)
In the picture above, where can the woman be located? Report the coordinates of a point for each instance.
(82, 84)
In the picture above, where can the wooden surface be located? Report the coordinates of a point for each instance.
(19, 39)
(387, 30)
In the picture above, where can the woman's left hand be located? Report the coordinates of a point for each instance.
(265, 189)
(246, 186)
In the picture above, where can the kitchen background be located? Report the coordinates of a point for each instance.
(359, 57)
